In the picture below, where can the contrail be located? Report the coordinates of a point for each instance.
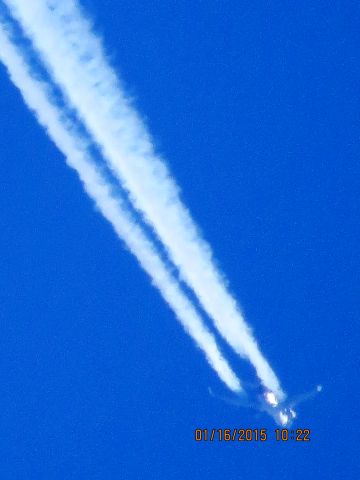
(74, 57)
(62, 132)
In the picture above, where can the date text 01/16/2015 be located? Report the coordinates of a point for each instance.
(251, 435)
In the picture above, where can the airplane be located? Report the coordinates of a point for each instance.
(283, 412)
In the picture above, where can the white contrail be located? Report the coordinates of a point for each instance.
(74, 58)
(63, 134)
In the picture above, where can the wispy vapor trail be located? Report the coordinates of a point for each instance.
(63, 133)
(74, 58)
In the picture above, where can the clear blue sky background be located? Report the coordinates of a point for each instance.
(256, 107)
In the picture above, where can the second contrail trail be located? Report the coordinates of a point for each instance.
(74, 58)
(36, 96)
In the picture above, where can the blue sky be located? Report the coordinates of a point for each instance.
(255, 107)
